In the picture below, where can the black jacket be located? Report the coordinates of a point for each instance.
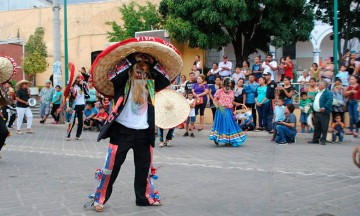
(161, 81)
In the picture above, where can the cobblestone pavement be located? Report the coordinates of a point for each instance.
(42, 174)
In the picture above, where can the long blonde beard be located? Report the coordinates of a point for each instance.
(139, 91)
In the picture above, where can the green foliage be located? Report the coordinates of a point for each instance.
(348, 18)
(35, 53)
(136, 18)
(244, 23)
(34, 63)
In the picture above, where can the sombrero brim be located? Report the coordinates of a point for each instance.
(7, 69)
(166, 54)
(171, 109)
(18, 84)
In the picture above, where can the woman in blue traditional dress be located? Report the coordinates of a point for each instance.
(225, 130)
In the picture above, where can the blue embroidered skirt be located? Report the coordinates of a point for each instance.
(225, 130)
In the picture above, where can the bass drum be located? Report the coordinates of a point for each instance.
(32, 102)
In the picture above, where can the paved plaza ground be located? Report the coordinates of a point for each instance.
(42, 174)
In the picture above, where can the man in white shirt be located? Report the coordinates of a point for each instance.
(225, 67)
(270, 66)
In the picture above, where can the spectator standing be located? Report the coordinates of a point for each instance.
(257, 69)
(239, 94)
(56, 100)
(270, 95)
(322, 108)
(338, 129)
(304, 102)
(262, 103)
(169, 136)
(189, 84)
(281, 70)
(327, 73)
(286, 130)
(289, 69)
(213, 73)
(182, 84)
(200, 91)
(250, 90)
(246, 70)
(343, 75)
(311, 89)
(192, 117)
(270, 66)
(315, 72)
(198, 63)
(225, 67)
(339, 101)
(92, 93)
(351, 68)
(304, 79)
(286, 91)
(352, 93)
(90, 112)
(239, 74)
(212, 91)
(22, 106)
(45, 96)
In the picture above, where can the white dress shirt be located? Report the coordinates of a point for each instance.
(316, 105)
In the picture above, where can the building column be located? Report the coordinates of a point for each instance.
(272, 51)
(316, 55)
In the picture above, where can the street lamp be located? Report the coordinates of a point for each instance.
(336, 36)
(66, 60)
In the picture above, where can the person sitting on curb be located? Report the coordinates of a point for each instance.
(100, 118)
(90, 112)
(286, 130)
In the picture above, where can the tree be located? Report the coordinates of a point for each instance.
(35, 53)
(250, 25)
(136, 18)
(348, 20)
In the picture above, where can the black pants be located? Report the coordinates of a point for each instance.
(321, 126)
(122, 139)
(3, 133)
(53, 111)
(9, 114)
(253, 110)
(79, 109)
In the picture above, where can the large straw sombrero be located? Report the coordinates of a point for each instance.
(166, 54)
(7, 68)
(18, 84)
(171, 109)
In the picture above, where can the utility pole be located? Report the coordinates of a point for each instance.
(57, 51)
(336, 36)
(66, 43)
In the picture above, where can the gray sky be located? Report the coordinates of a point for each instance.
(23, 4)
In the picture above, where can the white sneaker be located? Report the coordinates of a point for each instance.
(78, 138)
(167, 144)
(161, 144)
(67, 138)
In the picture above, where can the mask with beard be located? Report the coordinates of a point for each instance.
(138, 78)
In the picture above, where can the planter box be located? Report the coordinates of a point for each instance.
(34, 90)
